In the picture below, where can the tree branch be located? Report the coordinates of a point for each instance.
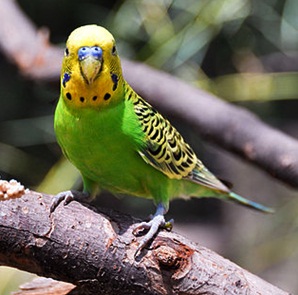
(231, 127)
(94, 249)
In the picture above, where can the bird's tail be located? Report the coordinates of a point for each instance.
(251, 204)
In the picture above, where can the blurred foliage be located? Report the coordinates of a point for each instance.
(245, 51)
(11, 278)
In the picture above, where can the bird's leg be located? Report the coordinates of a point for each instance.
(67, 196)
(157, 221)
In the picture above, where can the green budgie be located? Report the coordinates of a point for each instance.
(118, 141)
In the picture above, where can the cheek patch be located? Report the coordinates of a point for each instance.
(66, 78)
(115, 81)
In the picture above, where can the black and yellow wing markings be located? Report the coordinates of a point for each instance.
(166, 150)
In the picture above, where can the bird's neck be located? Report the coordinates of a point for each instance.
(106, 91)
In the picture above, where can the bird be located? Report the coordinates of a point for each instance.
(119, 142)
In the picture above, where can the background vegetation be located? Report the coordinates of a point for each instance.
(245, 51)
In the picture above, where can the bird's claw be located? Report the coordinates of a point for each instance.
(66, 197)
(153, 226)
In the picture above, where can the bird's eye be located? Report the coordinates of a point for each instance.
(66, 52)
(114, 52)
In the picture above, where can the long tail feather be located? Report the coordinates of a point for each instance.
(249, 203)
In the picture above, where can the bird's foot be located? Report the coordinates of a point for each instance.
(66, 197)
(157, 222)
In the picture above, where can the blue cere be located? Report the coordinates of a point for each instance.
(87, 51)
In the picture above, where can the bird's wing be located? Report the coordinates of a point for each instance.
(166, 150)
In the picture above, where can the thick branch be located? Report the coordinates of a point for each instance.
(231, 127)
(95, 249)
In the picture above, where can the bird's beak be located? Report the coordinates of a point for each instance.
(90, 59)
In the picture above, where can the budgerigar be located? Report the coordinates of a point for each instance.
(118, 141)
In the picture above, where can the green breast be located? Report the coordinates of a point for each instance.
(103, 145)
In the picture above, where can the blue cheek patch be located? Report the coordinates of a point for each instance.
(66, 78)
(115, 81)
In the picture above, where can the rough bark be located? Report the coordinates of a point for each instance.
(94, 250)
(231, 127)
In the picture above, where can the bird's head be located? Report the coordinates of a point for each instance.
(91, 70)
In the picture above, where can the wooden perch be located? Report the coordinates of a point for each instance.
(94, 250)
(231, 127)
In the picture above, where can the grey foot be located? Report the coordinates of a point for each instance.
(68, 196)
(153, 226)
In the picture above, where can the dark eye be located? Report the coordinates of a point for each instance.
(114, 52)
(66, 52)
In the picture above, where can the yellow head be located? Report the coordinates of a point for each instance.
(91, 73)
